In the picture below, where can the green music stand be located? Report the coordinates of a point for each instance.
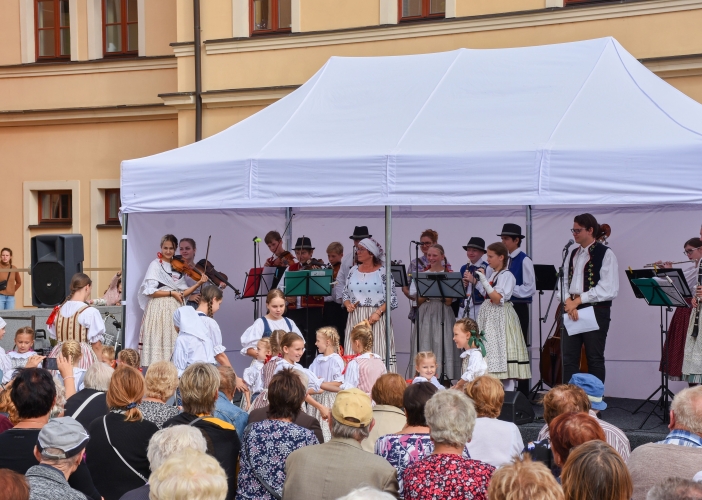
(315, 282)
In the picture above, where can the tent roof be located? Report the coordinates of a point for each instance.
(573, 123)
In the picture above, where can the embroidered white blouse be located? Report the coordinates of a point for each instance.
(503, 283)
(434, 381)
(313, 382)
(328, 368)
(214, 333)
(253, 376)
(368, 289)
(477, 365)
(254, 333)
(90, 319)
(352, 376)
(190, 349)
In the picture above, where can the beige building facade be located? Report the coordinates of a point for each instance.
(119, 82)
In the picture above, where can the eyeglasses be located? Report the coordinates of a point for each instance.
(426, 243)
(689, 252)
(576, 231)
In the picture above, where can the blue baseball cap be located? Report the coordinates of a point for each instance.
(593, 387)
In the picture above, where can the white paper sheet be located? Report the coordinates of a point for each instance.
(586, 322)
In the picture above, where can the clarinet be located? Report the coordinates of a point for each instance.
(696, 325)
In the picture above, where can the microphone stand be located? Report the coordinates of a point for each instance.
(256, 239)
(561, 285)
(416, 273)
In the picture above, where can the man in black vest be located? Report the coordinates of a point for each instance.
(592, 280)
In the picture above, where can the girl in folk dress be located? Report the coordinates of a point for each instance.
(253, 375)
(193, 344)
(160, 294)
(273, 320)
(24, 341)
(466, 336)
(425, 369)
(507, 357)
(211, 298)
(367, 367)
(364, 297)
(71, 350)
(692, 364)
(276, 337)
(76, 320)
(328, 366)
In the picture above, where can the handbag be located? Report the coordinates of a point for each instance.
(3, 283)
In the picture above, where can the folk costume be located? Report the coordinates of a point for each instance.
(433, 381)
(78, 321)
(474, 292)
(335, 314)
(5, 362)
(692, 363)
(158, 336)
(194, 344)
(363, 371)
(267, 374)
(474, 364)
(674, 351)
(329, 369)
(264, 327)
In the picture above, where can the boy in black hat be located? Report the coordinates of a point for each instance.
(475, 250)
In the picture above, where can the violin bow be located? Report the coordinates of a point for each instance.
(207, 255)
(284, 232)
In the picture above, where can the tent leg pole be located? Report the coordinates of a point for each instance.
(121, 338)
(288, 224)
(530, 253)
(388, 282)
(198, 70)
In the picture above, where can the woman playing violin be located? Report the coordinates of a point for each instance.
(160, 294)
(188, 249)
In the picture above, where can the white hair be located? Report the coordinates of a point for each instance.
(189, 474)
(675, 488)
(450, 416)
(98, 376)
(173, 440)
(343, 431)
(60, 401)
(687, 408)
(367, 493)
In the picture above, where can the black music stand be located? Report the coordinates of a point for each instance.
(399, 275)
(546, 279)
(443, 286)
(660, 291)
(257, 283)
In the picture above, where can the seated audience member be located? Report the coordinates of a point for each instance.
(7, 407)
(90, 403)
(366, 493)
(494, 442)
(570, 430)
(5, 424)
(333, 469)
(116, 453)
(389, 417)
(224, 408)
(524, 480)
(445, 473)
(161, 382)
(199, 388)
(13, 486)
(268, 444)
(60, 400)
(676, 488)
(189, 475)
(596, 471)
(59, 450)
(33, 393)
(679, 454)
(162, 445)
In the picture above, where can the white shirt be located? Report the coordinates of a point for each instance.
(608, 286)
(528, 286)
(253, 376)
(78, 378)
(313, 382)
(433, 382)
(503, 283)
(90, 319)
(190, 349)
(495, 442)
(346, 265)
(328, 368)
(254, 333)
(353, 375)
(214, 333)
(477, 365)
(5, 366)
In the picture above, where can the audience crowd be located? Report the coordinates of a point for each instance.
(123, 436)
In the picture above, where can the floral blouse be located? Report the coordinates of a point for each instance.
(401, 450)
(266, 446)
(368, 289)
(157, 413)
(444, 476)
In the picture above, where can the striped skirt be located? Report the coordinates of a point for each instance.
(692, 365)
(88, 356)
(326, 399)
(158, 334)
(362, 313)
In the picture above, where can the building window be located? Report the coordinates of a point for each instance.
(271, 16)
(412, 10)
(112, 206)
(53, 29)
(121, 27)
(55, 207)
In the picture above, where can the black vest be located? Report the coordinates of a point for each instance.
(592, 269)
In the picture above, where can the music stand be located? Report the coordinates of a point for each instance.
(443, 286)
(257, 283)
(660, 292)
(399, 275)
(546, 279)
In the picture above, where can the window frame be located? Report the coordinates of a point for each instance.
(64, 221)
(274, 20)
(111, 221)
(57, 32)
(426, 5)
(124, 30)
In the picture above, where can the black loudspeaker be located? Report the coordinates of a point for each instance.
(516, 409)
(55, 259)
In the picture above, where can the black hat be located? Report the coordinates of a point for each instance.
(304, 243)
(475, 242)
(512, 230)
(360, 233)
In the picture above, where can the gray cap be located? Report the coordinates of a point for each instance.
(65, 434)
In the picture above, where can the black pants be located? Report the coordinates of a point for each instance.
(594, 348)
(522, 311)
(336, 315)
(308, 320)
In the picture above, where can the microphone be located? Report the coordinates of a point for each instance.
(256, 239)
(415, 242)
(567, 246)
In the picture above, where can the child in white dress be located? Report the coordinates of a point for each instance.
(266, 325)
(253, 375)
(367, 367)
(193, 344)
(328, 366)
(210, 301)
(425, 369)
(466, 336)
(24, 342)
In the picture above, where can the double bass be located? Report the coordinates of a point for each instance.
(551, 362)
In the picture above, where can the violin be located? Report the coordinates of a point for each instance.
(285, 259)
(314, 264)
(605, 232)
(180, 266)
(213, 275)
(195, 273)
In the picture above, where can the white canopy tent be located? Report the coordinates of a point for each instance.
(580, 123)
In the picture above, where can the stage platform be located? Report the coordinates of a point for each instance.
(619, 413)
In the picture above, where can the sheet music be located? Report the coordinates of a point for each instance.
(586, 322)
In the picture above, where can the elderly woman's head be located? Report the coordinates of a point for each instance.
(98, 376)
(389, 389)
(570, 430)
(594, 471)
(286, 393)
(450, 417)
(565, 398)
(524, 480)
(415, 400)
(171, 440)
(488, 394)
(126, 392)
(161, 380)
(199, 388)
(33, 393)
(189, 474)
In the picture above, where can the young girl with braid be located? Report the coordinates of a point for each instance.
(71, 351)
(329, 367)
(275, 339)
(210, 302)
(367, 367)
